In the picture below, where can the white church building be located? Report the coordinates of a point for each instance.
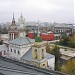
(19, 47)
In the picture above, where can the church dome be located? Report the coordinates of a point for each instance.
(38, 39)
(21, 27)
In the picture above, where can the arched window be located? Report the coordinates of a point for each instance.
(18, 52)
(44, 66)
(35, 53)
(11, 50)
(14, 51)
(42, 53)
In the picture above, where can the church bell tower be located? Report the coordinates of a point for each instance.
(39, 52)
(13, 30)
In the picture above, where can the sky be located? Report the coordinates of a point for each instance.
(61, 11)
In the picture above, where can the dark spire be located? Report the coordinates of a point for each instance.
(13, 20)
(13, 17)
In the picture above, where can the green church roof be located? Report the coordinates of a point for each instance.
(38, 39)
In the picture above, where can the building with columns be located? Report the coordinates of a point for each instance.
(13, 30)
(39, 53)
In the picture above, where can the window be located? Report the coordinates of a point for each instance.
(11, 50)
(18, 52)
(14, 51)
(35, 53)
(43, 64)
(42, 53)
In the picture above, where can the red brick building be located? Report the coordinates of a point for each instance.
(44, 36)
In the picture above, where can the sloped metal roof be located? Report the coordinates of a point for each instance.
(21, 41)
(28, 55)
(3, 47)
(12, 67)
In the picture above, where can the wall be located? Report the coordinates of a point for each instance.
(51, 63)
(22, 34)
(24, 49)
(13, 54)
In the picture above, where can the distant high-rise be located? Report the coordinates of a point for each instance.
(21, 20)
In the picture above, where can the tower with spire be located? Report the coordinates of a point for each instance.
(39, 52)
(13, 30)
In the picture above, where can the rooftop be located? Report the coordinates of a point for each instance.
(67, 52)
(3, 47)
(28, 55)
(22, 41)
(12, 67)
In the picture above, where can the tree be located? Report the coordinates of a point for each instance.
(48, 50)
(56, 52)
(64, 35)
(69, 67)
(64, 41)
(71, 42)
(68, 41)
(0, 29)
(4, 30)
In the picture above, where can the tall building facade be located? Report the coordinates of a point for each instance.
(21, 20)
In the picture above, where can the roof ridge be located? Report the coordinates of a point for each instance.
(28, 39)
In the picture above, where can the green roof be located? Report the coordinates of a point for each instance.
(38, 39)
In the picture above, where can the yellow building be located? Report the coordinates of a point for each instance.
(39, 53)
